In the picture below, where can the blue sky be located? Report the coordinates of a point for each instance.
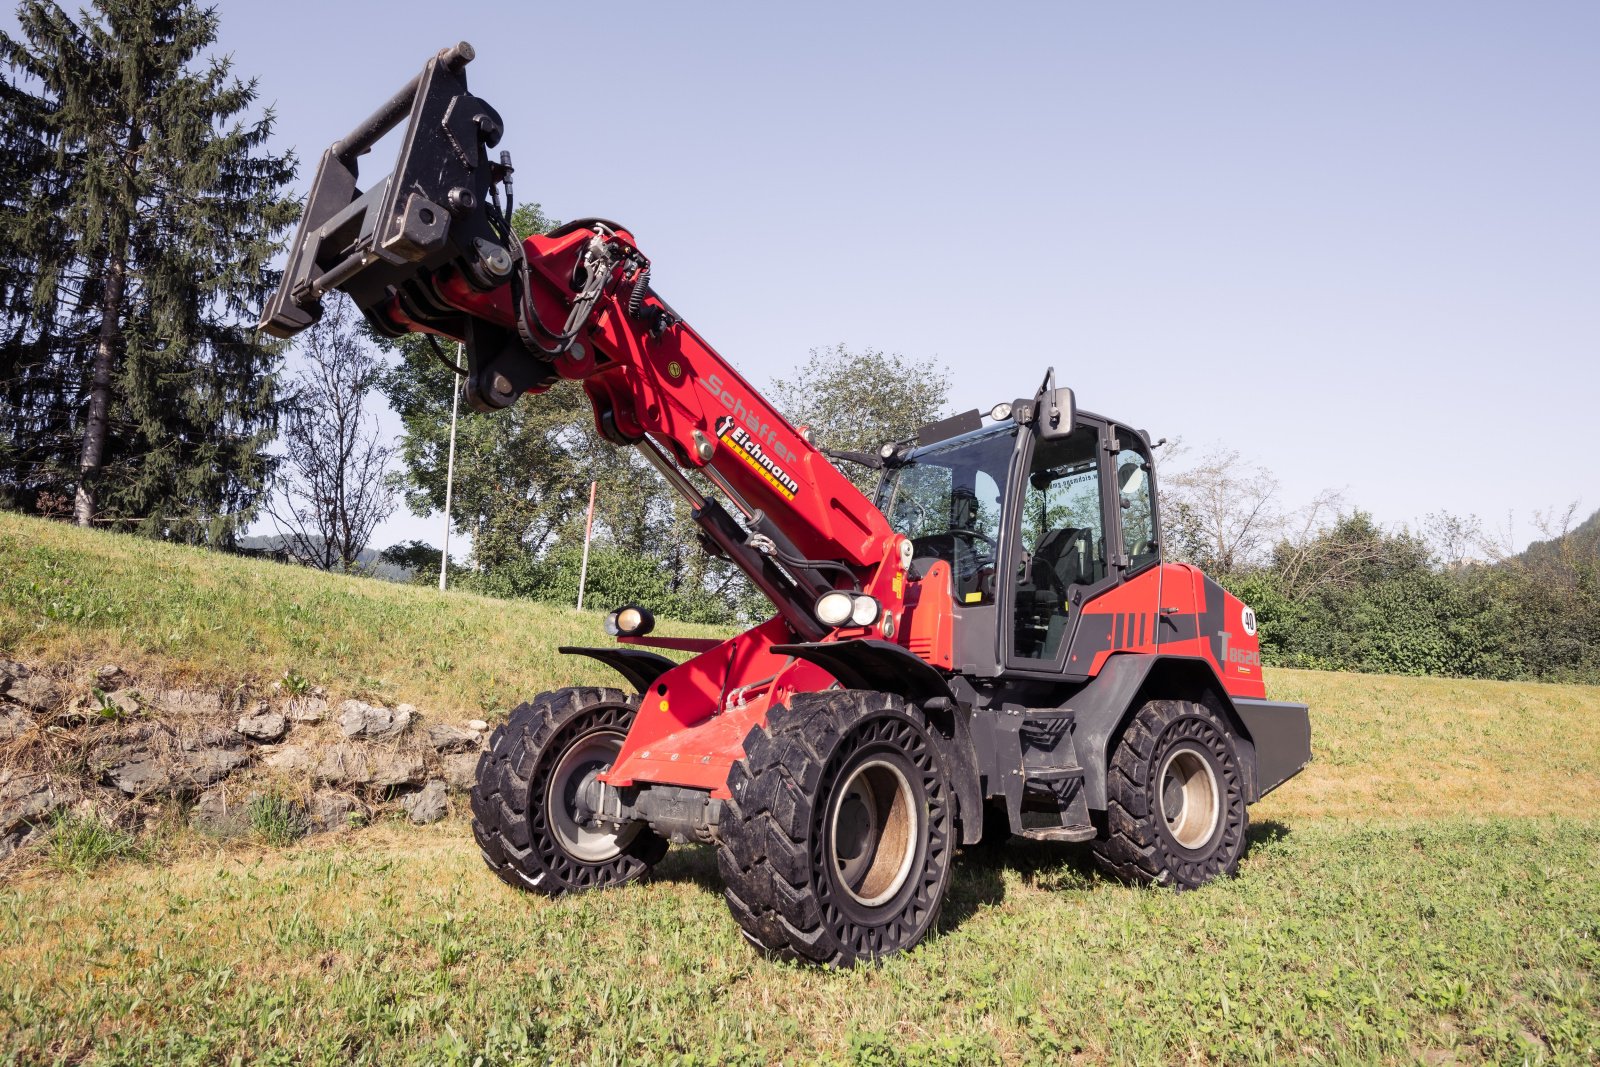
(1360, 243)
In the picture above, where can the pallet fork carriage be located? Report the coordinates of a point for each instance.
(995, 646)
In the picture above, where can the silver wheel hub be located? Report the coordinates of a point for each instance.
(585, 759)
(873, 830)
(1191, 802)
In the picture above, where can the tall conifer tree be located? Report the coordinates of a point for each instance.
(134, 258)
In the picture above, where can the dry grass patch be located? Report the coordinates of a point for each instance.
(1391, 747)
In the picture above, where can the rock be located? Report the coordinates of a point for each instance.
(396, 768)
(479, 725)
(149, 758)
(428, 804)
(345, 764)
(14, 722)
(446, 738)
(33, 691)
(212, 765)
(287, 758)
(124, 700)
(142, 774)
(461, 770)
(220, 815)
(108, 674)
(306, 709)
(27, 803)
(187, 702)
(358, 719)
(263, 725)
(332, 812)
(27, 800)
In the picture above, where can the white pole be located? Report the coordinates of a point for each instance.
(588, 528)
(450, 476)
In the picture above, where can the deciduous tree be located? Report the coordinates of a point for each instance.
(332, 488)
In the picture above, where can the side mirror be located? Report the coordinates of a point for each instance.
(1058, 411)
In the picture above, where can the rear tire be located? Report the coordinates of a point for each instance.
(1175, 809)
(836, 845)
(522, 814)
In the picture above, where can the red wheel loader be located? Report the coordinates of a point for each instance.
(994, 646)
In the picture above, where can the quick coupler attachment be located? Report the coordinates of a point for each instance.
(436, 207)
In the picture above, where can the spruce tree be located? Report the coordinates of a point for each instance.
(134, 259)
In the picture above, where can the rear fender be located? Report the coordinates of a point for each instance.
(1103, 707)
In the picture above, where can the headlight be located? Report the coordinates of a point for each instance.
(834, 609)
(864, 611)
(631, 621)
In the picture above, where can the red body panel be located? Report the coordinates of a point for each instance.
(1175, 610)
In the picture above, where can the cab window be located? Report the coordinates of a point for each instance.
(1136, 503)
(947, 500)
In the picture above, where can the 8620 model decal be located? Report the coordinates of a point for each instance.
(749, 449)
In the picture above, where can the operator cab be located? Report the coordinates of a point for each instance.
(1033, 525)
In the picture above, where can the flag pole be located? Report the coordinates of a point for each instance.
(588, 529)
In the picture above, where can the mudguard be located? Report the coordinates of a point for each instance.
(876, 665)
(639, 667)
(1103, 706)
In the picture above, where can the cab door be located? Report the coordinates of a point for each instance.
(1058, 555)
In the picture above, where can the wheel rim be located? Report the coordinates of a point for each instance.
(873, 830)
(1191, 802)
(586, 757)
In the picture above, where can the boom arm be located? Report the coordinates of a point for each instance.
(428, 249)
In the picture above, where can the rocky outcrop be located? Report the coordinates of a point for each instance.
(152, 758)
(102, 740)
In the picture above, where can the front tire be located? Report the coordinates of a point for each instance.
(523, 812)
(1175, 809)
(837, 843)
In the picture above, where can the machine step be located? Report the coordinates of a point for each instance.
(1082, 832)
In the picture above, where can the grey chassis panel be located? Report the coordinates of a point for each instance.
(639, 667)
(1101, 707)
(1282, 736)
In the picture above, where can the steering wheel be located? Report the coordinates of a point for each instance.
(977, 535)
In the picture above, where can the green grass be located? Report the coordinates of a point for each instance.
(1427, 891)
(80, 844)
(1340, 941)
(277, 820)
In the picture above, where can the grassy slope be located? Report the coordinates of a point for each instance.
(1428, 889)
(155, 609)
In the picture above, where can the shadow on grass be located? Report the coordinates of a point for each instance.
(1265, 832)
(978, 880)
(690, 864)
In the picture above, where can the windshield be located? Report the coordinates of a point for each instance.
(947, 500)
